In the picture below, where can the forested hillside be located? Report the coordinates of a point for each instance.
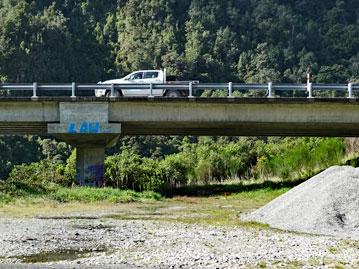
(209, 40)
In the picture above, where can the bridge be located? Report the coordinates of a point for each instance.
(91, 124)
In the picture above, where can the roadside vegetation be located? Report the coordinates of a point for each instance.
(205, 167)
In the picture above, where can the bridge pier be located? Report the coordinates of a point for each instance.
(86, 127)
(90, 165)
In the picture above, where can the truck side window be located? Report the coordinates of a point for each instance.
(151, 75)
(136, 76)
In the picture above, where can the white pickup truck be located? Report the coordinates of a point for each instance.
(143, 77)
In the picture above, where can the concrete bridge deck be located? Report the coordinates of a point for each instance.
(183, 116)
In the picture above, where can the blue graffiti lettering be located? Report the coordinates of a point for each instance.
(86, 128)
(72, 128)
(94, 127)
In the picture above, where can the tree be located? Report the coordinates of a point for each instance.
(33, 43)
(260, 66)
(147, 36)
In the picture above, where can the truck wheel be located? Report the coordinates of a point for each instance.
(173, 94)
(116, 94)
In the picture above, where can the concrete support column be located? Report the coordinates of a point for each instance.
(90, 165)
(86, 126)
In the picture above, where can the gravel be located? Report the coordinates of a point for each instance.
(328, 204)
(110, 243)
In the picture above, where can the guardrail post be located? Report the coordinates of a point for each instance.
(112, 90)
(151, 97)
(230, 89)
(34, 92)
(310, 89)
(190, 89)
(270, 89)
(73, 90)
(350, 90)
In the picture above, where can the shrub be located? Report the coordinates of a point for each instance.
(39, 172)
(174, 170)
(122, 170)
(308, 155)
(151, 178)
(70, 168)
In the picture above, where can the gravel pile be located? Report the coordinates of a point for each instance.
(328, 204)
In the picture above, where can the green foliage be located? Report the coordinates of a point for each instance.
(40, 172)
(252, 41)
(70, 168)
(128, 170)
(122, 170)
(174, 170)
(16, 150)
(55, 151)
(219, 159)
(89, 195)
(52, 180)
(211, 160)
(308, 156)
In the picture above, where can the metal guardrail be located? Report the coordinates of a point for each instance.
(230, 87)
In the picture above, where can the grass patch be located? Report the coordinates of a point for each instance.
(91, 195)
(220, 210)
(233, 188)
(221, 206)
(216, 210)
(14, 191)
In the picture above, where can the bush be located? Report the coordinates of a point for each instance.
(174, 170)
(40, 172)
(151, 178)
(70, 169)
(122, 170)
(308, 155)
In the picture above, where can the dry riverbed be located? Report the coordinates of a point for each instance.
(173, 233)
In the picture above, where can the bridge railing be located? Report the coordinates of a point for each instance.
(230, 89)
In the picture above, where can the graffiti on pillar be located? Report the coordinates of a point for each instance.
(86, 128)
(93, 176)
(96, 173)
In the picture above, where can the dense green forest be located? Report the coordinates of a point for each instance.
(213, 41)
